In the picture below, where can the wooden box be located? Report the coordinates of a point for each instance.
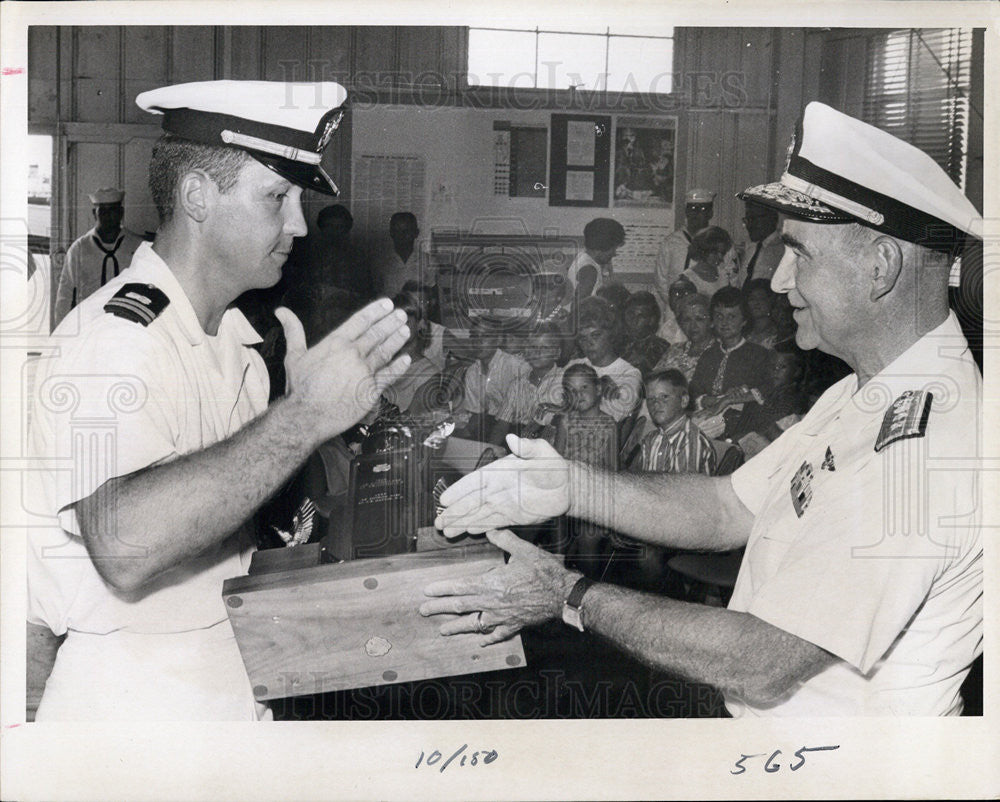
(329, 627)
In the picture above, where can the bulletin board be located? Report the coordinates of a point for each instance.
(580, 167)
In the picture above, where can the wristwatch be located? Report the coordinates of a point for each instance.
(572, 611)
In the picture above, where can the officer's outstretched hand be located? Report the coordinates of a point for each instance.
(339, 379)
(526, 487)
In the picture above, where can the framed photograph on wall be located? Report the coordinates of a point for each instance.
(645, 160)
(580, 167)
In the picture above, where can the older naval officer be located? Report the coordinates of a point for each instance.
(152, 418)
(860, 592)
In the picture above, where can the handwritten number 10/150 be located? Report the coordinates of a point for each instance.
(472, 760)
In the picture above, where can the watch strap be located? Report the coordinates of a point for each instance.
(575, 598)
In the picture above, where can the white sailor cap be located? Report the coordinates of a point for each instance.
(283, 124)
(106, 195)
(699, 197)
(842, 170)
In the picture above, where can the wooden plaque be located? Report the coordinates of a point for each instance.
(356, 624)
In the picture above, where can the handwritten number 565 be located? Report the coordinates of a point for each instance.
(771, 765)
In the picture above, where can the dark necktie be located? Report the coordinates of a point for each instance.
(687, 259)
(108, 254)
(751, 263)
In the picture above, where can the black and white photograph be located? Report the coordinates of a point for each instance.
(501, 403)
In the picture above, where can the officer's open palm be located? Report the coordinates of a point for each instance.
(340, 378)
(526, 487)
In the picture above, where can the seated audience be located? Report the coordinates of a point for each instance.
(595, 338)
(532, 399)
(709, 269)
(583, 432)
(616, 295)
(643, 347)
(488, 379)
(759, 297)
(731, 371)
(696, 323)
(421, 368)
(784, 404)
(676, 445)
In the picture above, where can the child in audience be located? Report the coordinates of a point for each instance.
(621, 382)
(782, 405)
(643, 348)
(488, 379)
(676, 445)
(532, 399)
(585, 433)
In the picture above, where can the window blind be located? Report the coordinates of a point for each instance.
(918, 89)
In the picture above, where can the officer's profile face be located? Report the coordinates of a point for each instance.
(820, 273)
(251, 227)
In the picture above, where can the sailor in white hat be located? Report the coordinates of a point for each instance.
(154, 506)
(99, 255)
(672, 257)
(860, 590)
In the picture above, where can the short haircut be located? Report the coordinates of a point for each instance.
(615, 293)
(580, 370)
(335, 211)
(399, 217)
(174, 157)
(603, 233)
(643, 298)
(708, 240)
(597, 313)
(671, 376)
(726, 298)
(693, 299)
(762, 211)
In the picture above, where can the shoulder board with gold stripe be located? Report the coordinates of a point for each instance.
(906, 417)
(140, 303)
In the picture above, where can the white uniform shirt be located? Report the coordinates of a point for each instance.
(116, 397)
(771, 252)
(878, 556)
(582, 260)
(89, 266)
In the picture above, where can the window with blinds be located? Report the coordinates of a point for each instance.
(918, 90)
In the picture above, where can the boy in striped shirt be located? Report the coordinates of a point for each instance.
(677, 445)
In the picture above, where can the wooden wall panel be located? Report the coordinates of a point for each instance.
(330, 50)
(245, 53)
(43, 50)
(192, 54)
(286, 53)
(374, 51)
(140, 213)
(94, 165)
(756, 50)
(419, 55)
